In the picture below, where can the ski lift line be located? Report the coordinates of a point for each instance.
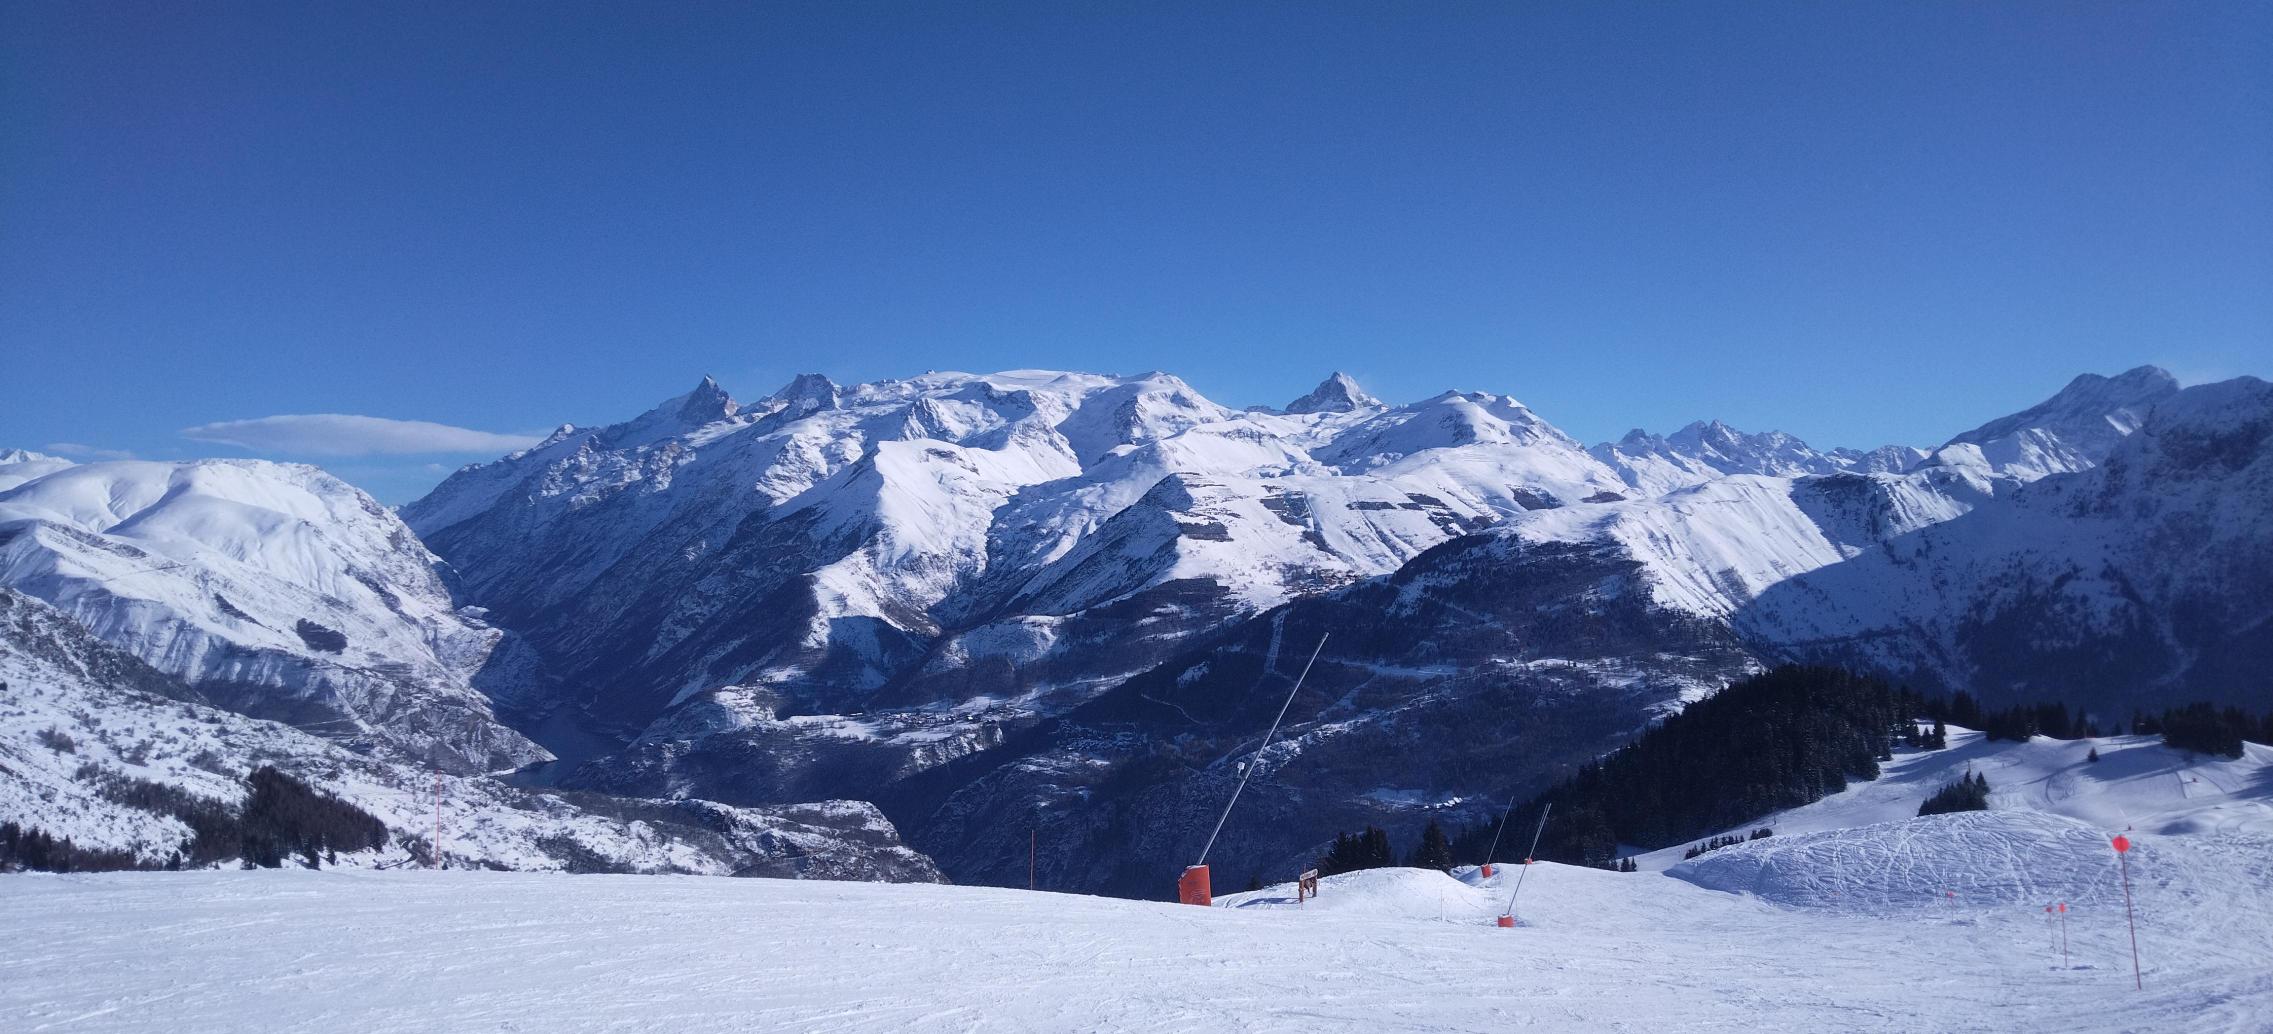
(1248, 772)
(1527, 856)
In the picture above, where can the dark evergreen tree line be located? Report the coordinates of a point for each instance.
(2204, 729)
(1719, 842)
(1790, 737)
(41, 851)
(281, 817)
(1435, 851)
(1969, 793)
(2020, 723)
(1777, 740)
(285, 816)
(1366, 850)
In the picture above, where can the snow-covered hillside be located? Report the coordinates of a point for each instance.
(2144, 578)
(79, 717)
(276, 589)
(20, 465)
(2137, 784)
(1388, 949)
(2070, 431)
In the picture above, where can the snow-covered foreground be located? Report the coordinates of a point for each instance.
(1394, 949)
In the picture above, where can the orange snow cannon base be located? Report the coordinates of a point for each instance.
(1507, 922)
(1193, 888)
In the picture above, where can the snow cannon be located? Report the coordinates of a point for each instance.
(1507, 922)
(1486, 870)
(1193, 888)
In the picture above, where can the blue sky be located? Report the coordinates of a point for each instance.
(1860, 223)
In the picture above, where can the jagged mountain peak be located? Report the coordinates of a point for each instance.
(1338, 393)
(1703, 450)
(809, 393)
(707, 402)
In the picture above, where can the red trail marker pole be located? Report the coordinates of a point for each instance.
(2064, 935)
(2122, 846)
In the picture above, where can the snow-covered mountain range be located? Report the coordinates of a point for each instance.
(275, 589)
(82, 721)
(1068, 602)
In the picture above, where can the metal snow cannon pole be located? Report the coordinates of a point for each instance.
(1486, 868)
(1192, 889)
(1507, 918)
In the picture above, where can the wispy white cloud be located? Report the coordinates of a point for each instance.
(341, 434)
(86, 451)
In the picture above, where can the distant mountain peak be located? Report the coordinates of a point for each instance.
(1338, 393)
(809, 393)
(2089, 399)
(707, 402)
(2074, 429)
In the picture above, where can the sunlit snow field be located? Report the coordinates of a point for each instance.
(1890, 924)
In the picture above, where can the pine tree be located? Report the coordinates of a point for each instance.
(1435, 851)
(2093, 756)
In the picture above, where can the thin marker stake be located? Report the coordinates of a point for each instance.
(2064, 935)
(1249, 772)
(437, 816)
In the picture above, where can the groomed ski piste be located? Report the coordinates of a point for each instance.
(1854, 916)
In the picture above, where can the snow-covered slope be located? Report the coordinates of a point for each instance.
(1835, 923)
(1708, 549)
(2200, 832)
(1384, 950)
(276, 589)
(78, 716)
(2070, 431)
(2146, 577)
(2137, 784)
